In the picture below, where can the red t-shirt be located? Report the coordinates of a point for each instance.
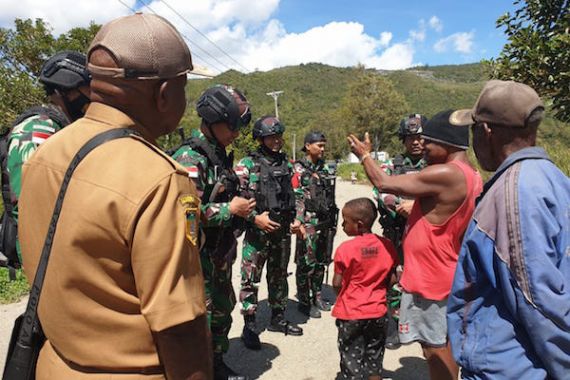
(431, 251)
(364, 263)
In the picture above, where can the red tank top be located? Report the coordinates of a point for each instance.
(431, 251)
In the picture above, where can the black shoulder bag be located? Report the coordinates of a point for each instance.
(27, 335)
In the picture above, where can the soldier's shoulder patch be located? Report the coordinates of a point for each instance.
(193, 171)
(191, 206)
(241, 170)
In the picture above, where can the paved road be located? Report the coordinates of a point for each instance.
(313, 356)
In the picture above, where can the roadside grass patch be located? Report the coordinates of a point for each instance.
(12, 291)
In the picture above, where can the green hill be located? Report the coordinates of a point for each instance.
(313, 91)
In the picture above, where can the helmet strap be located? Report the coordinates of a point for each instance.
(76, 107)
(268, 151)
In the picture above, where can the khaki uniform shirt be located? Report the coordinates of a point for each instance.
(124, 261)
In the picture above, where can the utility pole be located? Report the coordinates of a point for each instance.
(275, 95)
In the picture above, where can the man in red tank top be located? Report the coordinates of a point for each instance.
(445, 193)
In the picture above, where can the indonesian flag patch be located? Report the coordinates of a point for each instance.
(39, 137)
(192, 171)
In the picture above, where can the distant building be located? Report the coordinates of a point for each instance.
(380, 156)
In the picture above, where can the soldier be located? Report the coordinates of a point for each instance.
(394, 209)
(266, 176)
(224, 111)
(66, 82)
(316, 209)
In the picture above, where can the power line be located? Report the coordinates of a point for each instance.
(194, 54)
(192, 42)
(203, 35)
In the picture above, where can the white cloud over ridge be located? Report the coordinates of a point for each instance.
(246, 30)
(459, 42)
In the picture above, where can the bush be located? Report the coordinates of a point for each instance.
(344, 170)
(12, 291)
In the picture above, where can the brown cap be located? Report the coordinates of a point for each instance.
(504, 103)
(144, 46)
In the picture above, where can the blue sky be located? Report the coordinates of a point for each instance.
(399, 17)
(265, 34)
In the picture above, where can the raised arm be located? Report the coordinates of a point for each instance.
(433, 180)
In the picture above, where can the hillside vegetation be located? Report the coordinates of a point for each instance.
(313, 92)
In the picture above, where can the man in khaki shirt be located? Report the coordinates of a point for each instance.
(123, 295)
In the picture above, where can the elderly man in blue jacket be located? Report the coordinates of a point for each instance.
(509, 308)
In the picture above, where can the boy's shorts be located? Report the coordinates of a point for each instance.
(422, 320)
(361, 346)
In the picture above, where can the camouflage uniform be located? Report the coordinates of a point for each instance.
(216, 258)
(23, 140)
(259, 246)
(310, 253)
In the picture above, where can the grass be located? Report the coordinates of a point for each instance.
(12, 291)
(344, 170)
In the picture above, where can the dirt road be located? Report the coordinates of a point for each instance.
(313, 356)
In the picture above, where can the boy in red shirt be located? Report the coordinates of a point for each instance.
(363, 268)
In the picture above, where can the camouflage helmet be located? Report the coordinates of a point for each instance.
(412, 125)
(65, 70)
(267, 126)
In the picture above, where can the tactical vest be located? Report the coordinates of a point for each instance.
(220, 240)
(223, 169)
(393, 227)
(274, 192)
(401, 168)
(321, 189)
(9, 232)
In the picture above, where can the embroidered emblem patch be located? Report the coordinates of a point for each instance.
(191, 206)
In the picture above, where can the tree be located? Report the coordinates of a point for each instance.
(373, 105)
(538, 50)
(23, 50)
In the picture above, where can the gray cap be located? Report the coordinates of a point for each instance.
(144, 46)
(505, 103)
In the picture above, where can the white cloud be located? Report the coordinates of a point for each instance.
(435, 23)
(385, 38)
(461, 42)
(336, 43)
(63, 15)
(419, 34)
(396, 57)
(246, 30)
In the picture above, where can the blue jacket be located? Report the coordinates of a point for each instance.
(509, 308)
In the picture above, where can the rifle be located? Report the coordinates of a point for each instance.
(333, 221)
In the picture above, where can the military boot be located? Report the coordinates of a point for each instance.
(321, 304)
(280, 324)
(223, 372)
(249, 335)
(309, 310)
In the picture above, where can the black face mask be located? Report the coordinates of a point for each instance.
(77, 106)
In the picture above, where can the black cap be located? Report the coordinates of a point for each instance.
(313, 137)
(439, 129)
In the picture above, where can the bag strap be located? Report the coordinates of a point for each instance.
(30, 320)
